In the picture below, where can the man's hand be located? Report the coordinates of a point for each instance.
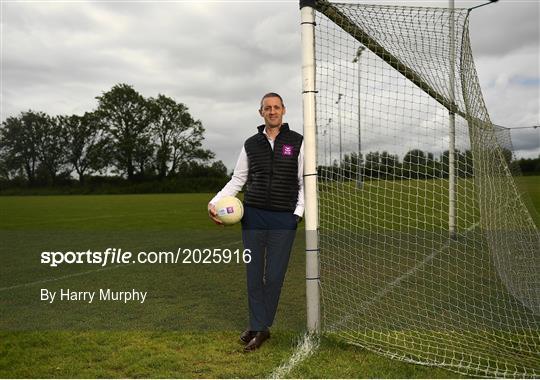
(213, 214)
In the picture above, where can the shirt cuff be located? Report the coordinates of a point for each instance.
(299, 210)
(214, 200)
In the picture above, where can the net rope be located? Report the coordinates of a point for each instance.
(392, 278)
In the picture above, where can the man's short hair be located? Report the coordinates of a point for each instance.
(272, 95)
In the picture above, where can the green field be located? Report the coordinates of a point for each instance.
(189, 325)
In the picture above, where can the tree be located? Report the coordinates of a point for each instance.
(373, 161)
(431, 166)
(87, 147)
(219, 169)
(530, 166)
(511, 162)
(414, 164)
(51, 149)
(415, 157)
(178, 136)
(9, 163)
(463, 163)
(20, 142)
(9, 167)
(353, 164)
(143, 155)
(389, 164)
(126, 114)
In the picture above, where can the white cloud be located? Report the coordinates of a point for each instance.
(219, 58)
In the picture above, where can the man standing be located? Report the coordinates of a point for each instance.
(271, 166)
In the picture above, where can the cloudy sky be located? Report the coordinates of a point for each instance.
(219, 57)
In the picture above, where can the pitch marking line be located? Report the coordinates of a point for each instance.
(381, 293)
(305, 348)
(62, 277)
(411, 271)
(81, 273)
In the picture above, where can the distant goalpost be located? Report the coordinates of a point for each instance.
(418, 243)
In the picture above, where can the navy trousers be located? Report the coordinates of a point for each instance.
(270, 236)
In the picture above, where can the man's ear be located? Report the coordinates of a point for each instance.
(261, 112)
(284, 110)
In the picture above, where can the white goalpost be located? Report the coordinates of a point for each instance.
(310, 166)
(418, 244)
(452, 128)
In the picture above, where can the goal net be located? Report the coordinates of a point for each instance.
(428, 253)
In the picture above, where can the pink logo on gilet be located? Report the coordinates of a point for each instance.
(287, 150)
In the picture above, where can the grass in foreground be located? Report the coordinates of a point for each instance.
(186, 355)
(201, 308)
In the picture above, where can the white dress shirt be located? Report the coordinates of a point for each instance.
(240, 176)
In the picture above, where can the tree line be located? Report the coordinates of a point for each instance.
(132, 139)
(127, 136)
(416, 164)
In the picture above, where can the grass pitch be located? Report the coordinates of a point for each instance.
(189, 325)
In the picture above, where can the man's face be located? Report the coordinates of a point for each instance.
(272, 111)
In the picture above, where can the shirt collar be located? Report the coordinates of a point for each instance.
(262, 128)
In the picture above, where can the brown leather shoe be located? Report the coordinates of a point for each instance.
(257, 340)
(247, 336)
